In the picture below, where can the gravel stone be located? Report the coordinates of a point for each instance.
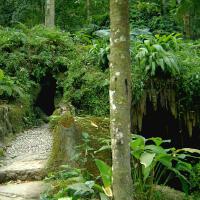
(32, 144)
(26, 157)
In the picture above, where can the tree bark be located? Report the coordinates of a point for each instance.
(50, 13)
(164, 7)
(88, 9)
(187, 29)
(120, 99)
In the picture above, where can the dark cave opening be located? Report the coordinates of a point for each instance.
(45, 99)
(161, 123)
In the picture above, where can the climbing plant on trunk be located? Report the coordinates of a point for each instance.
(120, 99)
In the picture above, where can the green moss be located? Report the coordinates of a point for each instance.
(65, 134)
(1, 152)
(16, 114)
(12, 120)
(63, 125)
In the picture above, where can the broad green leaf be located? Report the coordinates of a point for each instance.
(155, 149)
(137, 153)
(146, 159)
(166, 160)
(190, 150)
(137, 143)
(146, 171)
(137, 146)
(105, 172)
(79, 189)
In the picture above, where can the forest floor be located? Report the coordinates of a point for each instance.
(23, 166)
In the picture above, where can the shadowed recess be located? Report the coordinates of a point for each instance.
(45, 99)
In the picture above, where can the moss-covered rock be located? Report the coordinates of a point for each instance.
(66, 136)
(68, 145)
(11, 119)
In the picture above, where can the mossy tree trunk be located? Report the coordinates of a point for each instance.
(120, 99)
(50, 13)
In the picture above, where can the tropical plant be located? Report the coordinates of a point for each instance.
(106, 175)
(85, 151)
(68, 183)
(155, 60)
(152, 162)
(100, 50)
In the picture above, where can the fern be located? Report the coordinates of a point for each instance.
(9, 89)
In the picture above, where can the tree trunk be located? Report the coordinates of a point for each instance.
(164, 7)
(187, 29)
(50, 13)
(120, 99)
(88, 9)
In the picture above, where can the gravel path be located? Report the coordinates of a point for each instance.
(32, 144)
(27, 156)
(25, 165)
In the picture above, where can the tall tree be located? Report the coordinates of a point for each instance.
(188, 11)
(88, 9)
(50, 13)
(120, 99)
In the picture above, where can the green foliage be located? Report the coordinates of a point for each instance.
(179, 60)
(9, 89)
(72, 184)
(189, 81)
(105, 172)
(38, 50)
(195, 177)
(146, 13)
(69, 15)
(68, 182)
(87, 90)
(152, 162)
(155, 59)
(78, 67)
(87, 82)
(85, 151)
(27, 55)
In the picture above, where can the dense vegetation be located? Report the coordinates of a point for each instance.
(165, 64)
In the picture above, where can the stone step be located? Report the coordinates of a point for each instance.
(22, 191)
(23, 170)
